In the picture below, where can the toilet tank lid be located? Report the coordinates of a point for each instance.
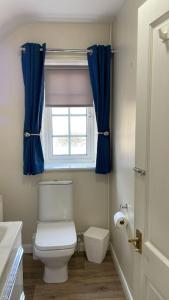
(55, 182)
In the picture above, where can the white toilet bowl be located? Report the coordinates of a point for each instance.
(55, 243)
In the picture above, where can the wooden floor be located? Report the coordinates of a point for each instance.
(87, 281)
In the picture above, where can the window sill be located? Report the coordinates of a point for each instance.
(69, 166)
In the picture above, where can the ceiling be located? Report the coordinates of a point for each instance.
(14, 12)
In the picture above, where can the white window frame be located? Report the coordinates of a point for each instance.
(69, 161)
(74, 158)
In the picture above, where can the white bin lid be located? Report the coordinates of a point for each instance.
(96, 233)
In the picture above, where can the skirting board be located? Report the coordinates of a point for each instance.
(27, 248)
(121, 275)
(22, 297)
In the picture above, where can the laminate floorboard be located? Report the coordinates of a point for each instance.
(87, 281)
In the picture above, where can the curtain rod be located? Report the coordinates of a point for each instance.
(58, 50)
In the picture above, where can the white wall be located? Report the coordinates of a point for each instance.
(20, 192)
(123, 125)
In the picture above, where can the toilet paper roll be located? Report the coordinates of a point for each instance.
(120, 220)
(1, 208)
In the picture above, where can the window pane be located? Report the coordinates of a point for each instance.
(78, 110)
(78, 125)
(60, 125)
(59, 110)
(78, 145)
(60, 146)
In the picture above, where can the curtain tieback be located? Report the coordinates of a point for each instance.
(105, 133)
(28, 134)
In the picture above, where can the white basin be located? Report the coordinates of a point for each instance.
(8, 234)
(11, 252)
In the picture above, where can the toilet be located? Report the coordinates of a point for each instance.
(56, 238)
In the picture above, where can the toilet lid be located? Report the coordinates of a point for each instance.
(55, 235)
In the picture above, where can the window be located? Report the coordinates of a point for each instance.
(69, 132)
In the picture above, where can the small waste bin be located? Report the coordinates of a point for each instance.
(96, 241)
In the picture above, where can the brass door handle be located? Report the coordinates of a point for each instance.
(133, 241)
(137, 241)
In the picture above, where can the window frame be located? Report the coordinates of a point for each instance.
(47, 141)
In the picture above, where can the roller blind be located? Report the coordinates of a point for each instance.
(68, 86)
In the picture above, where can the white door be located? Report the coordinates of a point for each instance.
(151, 276)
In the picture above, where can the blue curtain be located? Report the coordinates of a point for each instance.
(99, 61)
(33, 57)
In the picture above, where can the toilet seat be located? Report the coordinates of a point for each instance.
(54, 254)
(55, 236)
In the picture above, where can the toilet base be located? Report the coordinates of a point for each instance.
(58, 275)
